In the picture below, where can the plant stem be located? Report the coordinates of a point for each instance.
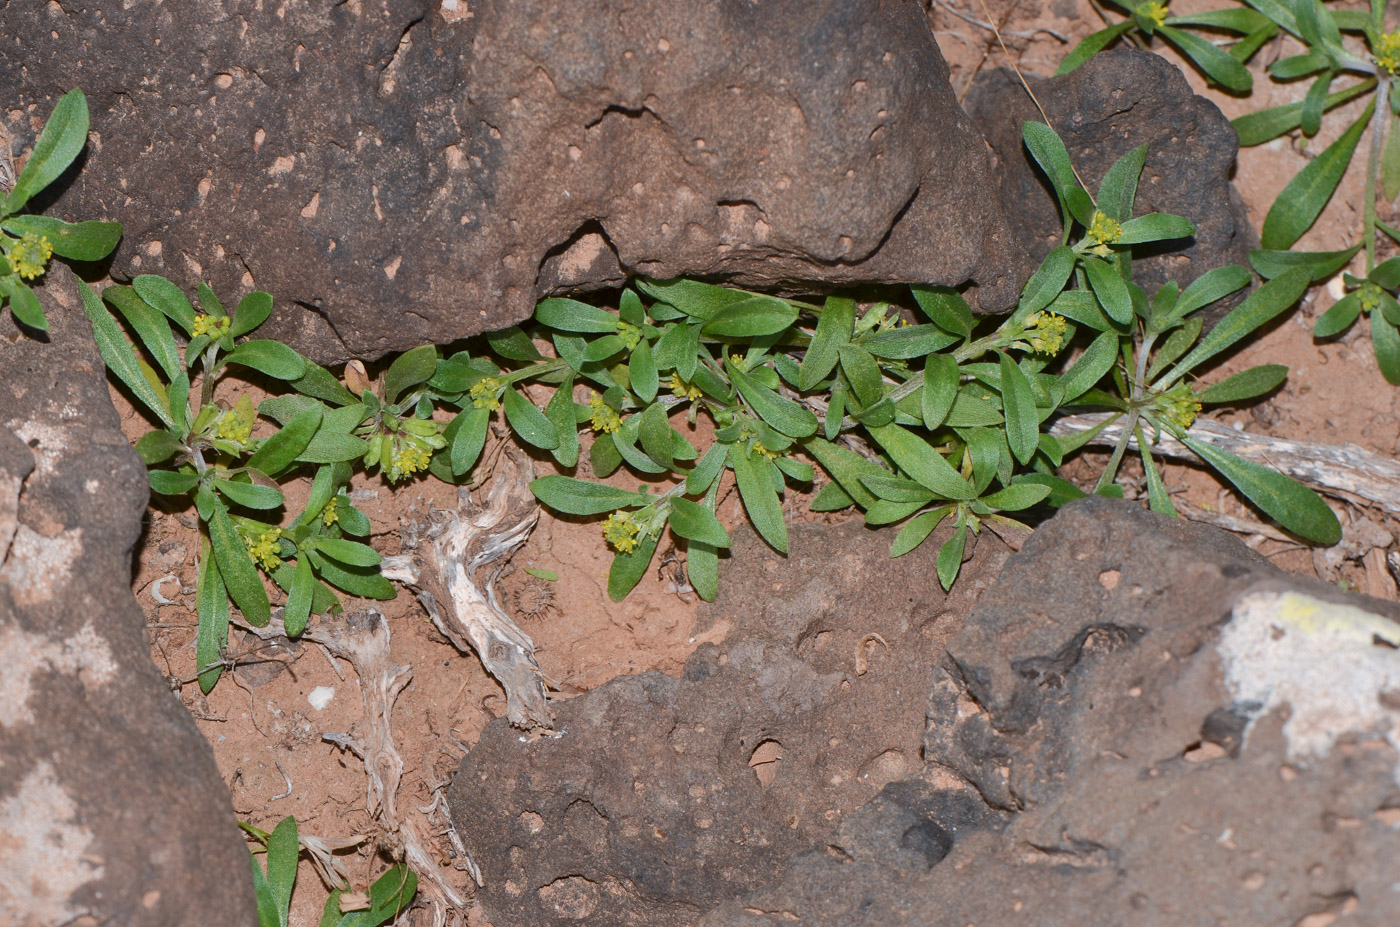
(1373, 166)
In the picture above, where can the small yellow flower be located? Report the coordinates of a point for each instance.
(759, 449)
(602, 417)
(1156, 12)
(30, 255)
(265, 549)
(683, 390)
(1388, 51)
(737, 360)
(1179, 406)
(232, 429)
(408, 460)
(208, 325)
(631, 335)
(1045, 331)
(1103, 231)
(1369, 296)
(485, 393)
(621, 531)
(331, 513)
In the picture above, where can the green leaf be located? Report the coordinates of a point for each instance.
(150, 326)
(1247, 384)
(885, 512)
(63, 136)
(941, 381)
(1304, 197)
(352, 553)
(1156, 226)
(1089, 46)
(408, 370)
(365, 582)
(1046, 283)
(1242, 21)
(783, 414)
(270, 357)
(283, 848)
(166, 296)
(1050, 153)
(570, 315)
(1119, 187)
(697, 523)
(298, 608)
(120, 359)
(628, 569)
(654, 432)
(1016, 497)
(1338, 317)
(77, 241)
(1296, 66)
(1158, 499)
(212, 637)
(946, 308)
(600, 349)
(1274, 297)
(697, 300)
(1018, 405)
(158, 446)
(1385, 344)
(1287, 501)
(529, 422)
(641, 370)
(702, 569)
(761, 501)
(1207, 288)
(170, 483)
(918, 529)
(319, 382)
(250, 495)
(1314, 101)
(236, 569)
(468, 439)
(603, 456)
(1390, 162)
(580, 497)
(1109, 288)
(1216, 63)
(896, 489)
(332, 447)
(322, 491)
(950, 557)
(847, 468)
(753, 317)
(1322, 264)
(252, 311)
(560, 412)
(863, 373)
(513, 344)
(281, 450)
(1386, 274)
(1090, 367)
(921, 460)
(831, 498)
(908, 342)
(834, 329)
(23, 303)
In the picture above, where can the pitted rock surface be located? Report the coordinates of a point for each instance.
(395, 172)
(661, 796)
(1168, 730)
(1113, 103)
(111, 808)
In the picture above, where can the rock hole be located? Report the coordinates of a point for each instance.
(764, 761)
(1109, 579)
(531, 821)
(1202, 751)
(572, 897)
(929, 840)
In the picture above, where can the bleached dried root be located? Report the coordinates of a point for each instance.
(453, 572)
(1341, 470)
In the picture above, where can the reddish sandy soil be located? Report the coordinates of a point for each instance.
(267, 737)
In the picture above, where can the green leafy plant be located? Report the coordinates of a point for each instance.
(273, 883)
(1146, 20)
(29, 241)
(206, 453)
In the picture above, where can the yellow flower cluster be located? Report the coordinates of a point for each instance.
(631, 335)
(1103, 231)
(1156, 12)
(485, 394)
(1388, 51)
(621, 532)
(683, 390)
(330, 514)
(1369, 296)
(232, 427)
(1045, 332)
(601, 416)
(762, 451)
(409, 459)
(264, 549)
(1179, 406)
(208, 325)
(30, 255)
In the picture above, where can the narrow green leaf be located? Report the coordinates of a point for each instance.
(941, 381)
(1338, 317)
(365, 582)
(641, 370)
(170, 483)
(63, 136)
(150, 326)
(1018, 405)
(166, 296)
(1385, 343)
(1207, 288)
(1090, 367)
(1050, 153)
(1109, 288)
(1119, 187)
(1089, 46)
(834, 329)
(628, 569)
(1322, 264)
(697, 300)
(24, 303)
(1288, 502)
(468, 439)
(298, 608)
(705, 471)
(779, 412)
(697, 523)
(1304, 197)
(1247, 384)
(1296, 66)
(351, 553)
(1016, 497)
(1046, 283)
(581, 497)
(908, 342)
(950, 557)
(283, 849)
(884, 512)
(328, 447)
(319, 382)
(270, 357)
(236, 569)
(570, 315)
(1216, 63)
(513, 344)
(408, 370)
(281, 450)
(560, 412)
(753, 317)
(250, 495)
(1157, 498)
(600, 349)
(654, 434)
(252, 311)
(1314, 101)
(1265, 125)
(1274, 297)
(921, 460)
(158, 446)
(847, 467)
(212, 637)
(77, 241)
(529, 422)
(918, 529)
(117, 353)
(760, 500)
(946, 308)
(1390, 162)
(1156, 226)
(863, 373)
(702, 569)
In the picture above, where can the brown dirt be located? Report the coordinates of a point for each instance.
(267, 738)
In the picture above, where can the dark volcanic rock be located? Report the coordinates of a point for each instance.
(111, 808)
(396, 172)
(1115, 102)
(661, 797)
(1177, 732)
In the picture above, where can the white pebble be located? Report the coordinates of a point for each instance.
(321, 696)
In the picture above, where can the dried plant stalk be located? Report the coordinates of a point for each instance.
(453, 570)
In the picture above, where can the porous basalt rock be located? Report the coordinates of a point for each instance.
(1116, 101)
(111, 808)
(397, 172)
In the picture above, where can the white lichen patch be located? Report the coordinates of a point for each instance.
(1336, 667)
(45, 853)
(85, 655)
(47, 441)
(37, 566)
